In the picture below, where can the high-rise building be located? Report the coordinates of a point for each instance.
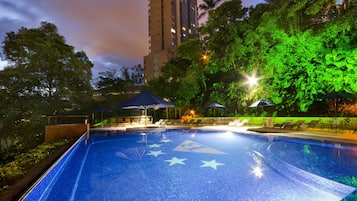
(171, 22)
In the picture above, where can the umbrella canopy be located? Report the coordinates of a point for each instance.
(261, 103)
(101, 110)
(145, 100)
(215, 105)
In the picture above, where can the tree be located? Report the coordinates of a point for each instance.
(44, 69)
(110, 81)
(45, 76)
(299, 49)
(303, 65)
(137, 75)
(207, 6)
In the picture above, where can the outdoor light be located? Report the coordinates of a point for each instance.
(252, 80)
(192, 113)
(205, 57)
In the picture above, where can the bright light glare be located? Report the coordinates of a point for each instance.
(228, 135)
(252, 80)
(205, 57)
(258, 172)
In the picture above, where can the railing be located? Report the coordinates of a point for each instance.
(68, 119)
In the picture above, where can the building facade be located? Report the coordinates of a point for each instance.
(171, 22)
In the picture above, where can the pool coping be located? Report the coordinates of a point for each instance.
(311, 135)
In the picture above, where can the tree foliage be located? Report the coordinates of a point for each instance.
(44, 76)
(299, 49)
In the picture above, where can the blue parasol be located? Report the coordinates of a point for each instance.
(101, 110)
(145, 100)
(214, 106)
(261, 103)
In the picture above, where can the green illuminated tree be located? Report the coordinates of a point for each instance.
(299, 50)
(181, 77)
(297, 63)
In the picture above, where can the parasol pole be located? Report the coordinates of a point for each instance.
(145, 115)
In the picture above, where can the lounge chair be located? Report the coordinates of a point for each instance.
(282, 125)
(162, 122)
(311, 124)
(233, 123)
(242, 123)
(209, 122)
(186, 121)
(296, 124)
(197, 122)
(238, 123)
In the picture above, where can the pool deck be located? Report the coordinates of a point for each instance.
(334, 135)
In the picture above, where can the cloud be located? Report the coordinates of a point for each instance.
(110, 31)
(110, 26)
(100, 28)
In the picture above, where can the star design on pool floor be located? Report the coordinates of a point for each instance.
(154, 145)
(213, 164)
(166, 140)
(174, 161)
(155, 153)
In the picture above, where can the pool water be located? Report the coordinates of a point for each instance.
(198, 165)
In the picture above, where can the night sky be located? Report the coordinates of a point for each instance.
(113, 33)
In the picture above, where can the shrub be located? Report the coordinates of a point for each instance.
(15, 170)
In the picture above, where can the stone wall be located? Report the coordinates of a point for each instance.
(53, 132)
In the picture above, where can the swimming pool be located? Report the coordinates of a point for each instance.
(198, 165)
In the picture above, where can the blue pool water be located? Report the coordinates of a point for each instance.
(198, 165)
